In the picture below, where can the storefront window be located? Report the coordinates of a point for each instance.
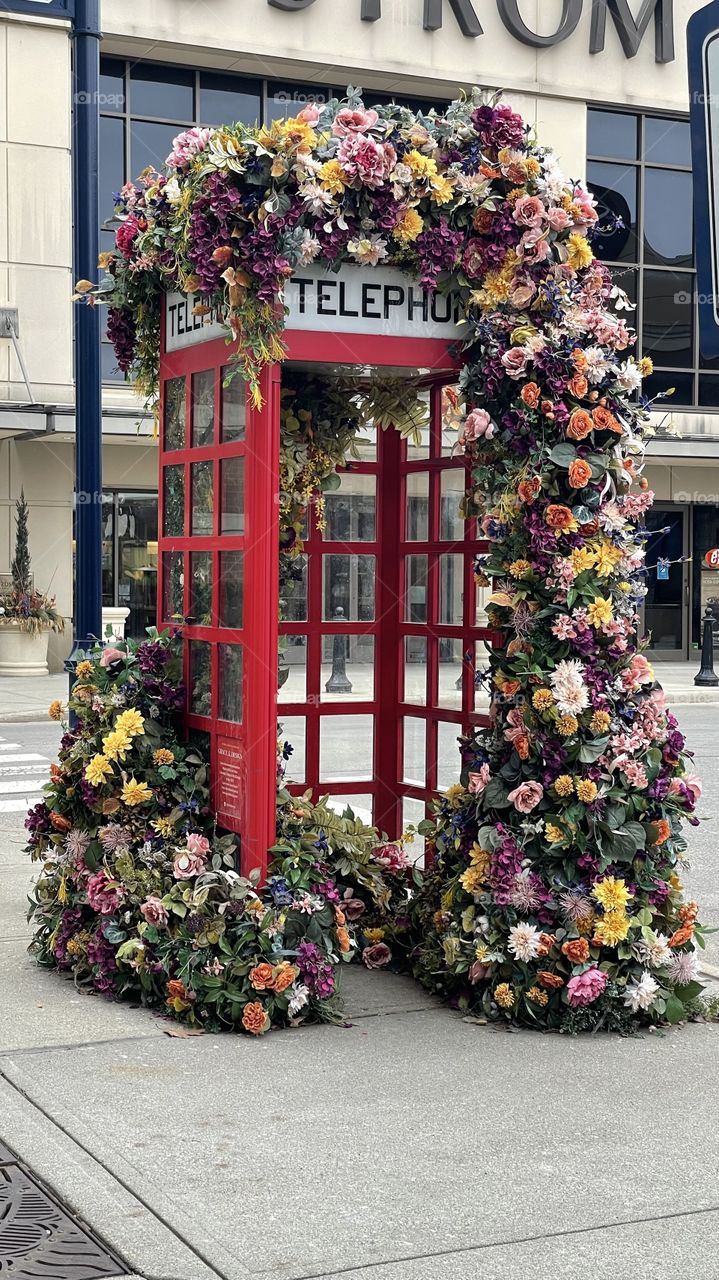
(129, 559)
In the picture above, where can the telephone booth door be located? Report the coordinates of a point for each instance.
(218, 570)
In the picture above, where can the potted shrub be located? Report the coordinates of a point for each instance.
(27, 616)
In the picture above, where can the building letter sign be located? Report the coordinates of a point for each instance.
(631, 32)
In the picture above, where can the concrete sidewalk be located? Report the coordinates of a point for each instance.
(407, 1145)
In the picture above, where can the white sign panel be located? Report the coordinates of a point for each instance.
(369, 300)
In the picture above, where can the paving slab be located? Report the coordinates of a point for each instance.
(323, 1149)
(370, 994)
(15, 884)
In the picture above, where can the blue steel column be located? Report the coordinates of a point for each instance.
(87, 611)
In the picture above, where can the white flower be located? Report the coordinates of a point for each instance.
(316, 198)
(309, 249)
(656, 952)
(300, 994)
(641, 994)
(172, 191)
(629, 377)
(682, 968)
(568, 686)
(524, 941)
(596, 363)
(368, 249)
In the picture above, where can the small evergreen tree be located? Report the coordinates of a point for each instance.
(20, 567)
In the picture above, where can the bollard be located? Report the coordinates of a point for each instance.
(706, 675)
(338, 681)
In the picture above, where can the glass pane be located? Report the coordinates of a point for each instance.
(230, 662)
(173, 583)
(451, 524)
(162, 91)
(414, 812)
(293, 730)
(108, 546)
(351, 509)
(709, 391)
(415, 670)
(615, 188)
(201, 588)
(226, 98)
(414, 755)
(150, 144)
(202, 499)
(112, 84)
(173, 505)
(360, 803)
(348, 588)
(346, 748)
(203, 407)
(287, 99)
(292, 674)
(419, 451)
(450, 674)
(293, 588)
(664, 601)
(667, 141)
(175, 413)
(110, 371)
(682, 385)
(451, 589)
(366, 443)
(417, 517)
(415, 592)
(137, 560)
(234, 400)
(668, 217)
(451, 420)
(232, 516)
(612, 134)
(347, 668)
(200, 678)
(667, 318)
(448, 761)
(481, 666)
(232, 581)
(112, 164)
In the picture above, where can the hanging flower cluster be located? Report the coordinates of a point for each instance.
(555, 896)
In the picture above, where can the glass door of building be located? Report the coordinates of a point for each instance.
(666, 605)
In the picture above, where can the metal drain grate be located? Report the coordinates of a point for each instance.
(41, 1241)
(6, 1155)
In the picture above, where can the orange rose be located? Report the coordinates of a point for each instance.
(578, 385)
(604, 420)
(521, 746)
(550, 980)
(262, 977)
(546, 942)
(529, 489)
(547, 408)
(580, 473)
(343, 938)
(176, 990)
(255, 1018)
(339, 916)
(530, 394)
(663, 830)
(682, 935)
(482, 220)
(285, 976)
(559, 517)
(577, 950)
(510, 687)
(579, 358)
(580, 424)
(59, 822)
(689, 912)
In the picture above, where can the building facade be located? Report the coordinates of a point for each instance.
(608, 94)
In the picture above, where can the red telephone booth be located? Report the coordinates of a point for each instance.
(396, 588)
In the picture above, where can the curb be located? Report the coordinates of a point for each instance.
(25, 717)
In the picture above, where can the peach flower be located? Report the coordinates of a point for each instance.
(580, 473)
(255, 1018)
(526, 796)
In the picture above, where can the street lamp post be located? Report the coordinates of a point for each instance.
(87, 610)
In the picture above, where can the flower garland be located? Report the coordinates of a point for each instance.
(555, 898)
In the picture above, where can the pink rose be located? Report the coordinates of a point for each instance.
(586, 987)
(366, 160)
(529, 211)
(110, 655)
(310, 114)
(515, 362)
(378, 956)
(187, 865)
(198, 844)
(533, 246)
(154, 912)
(478, 972)
(391, 856)
(473, 258)
(478, 424)
(638, 672)
(558, 219)
(478, 781)
(585, 203)
(690, 781)
(353, 908)
(348, 121)
(522, 295)
(526, 796)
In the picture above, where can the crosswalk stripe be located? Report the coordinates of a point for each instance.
(9, 746)
(30, 755)
(22, 776)
(20, 805)
(14, 785)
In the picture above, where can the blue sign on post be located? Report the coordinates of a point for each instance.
(40, 8)
(703, 62)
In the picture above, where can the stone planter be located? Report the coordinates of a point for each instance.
(115, 617)
(22, 653)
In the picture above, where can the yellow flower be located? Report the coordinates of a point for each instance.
(504, 995)
(586, 790)
(451, 947)
(482, 951)
(600, 722)
(581, 558)
(675, 882)
(480, 858)
(163, 826)
(130, 722)
(97, 770)
(585, 924)
(134, 793)
(600, 611)
(374, 935)
(612, 893)
(333, 177)
(163, 756)
(441, 190)
(552, 833)
(537, 996)
(542, 699)
(454, 793)
(646, 366)
(612, 928)
(116, 744)
(520, 568)
(55, 710)
(421, 166)
(564, 784)
(83, 669)
(472, 880)
(567, 725)
(408, 227)
(608, 557)
(579, 253)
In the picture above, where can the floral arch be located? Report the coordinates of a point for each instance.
(554, 897)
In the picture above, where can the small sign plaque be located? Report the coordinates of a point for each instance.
(229, 782)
